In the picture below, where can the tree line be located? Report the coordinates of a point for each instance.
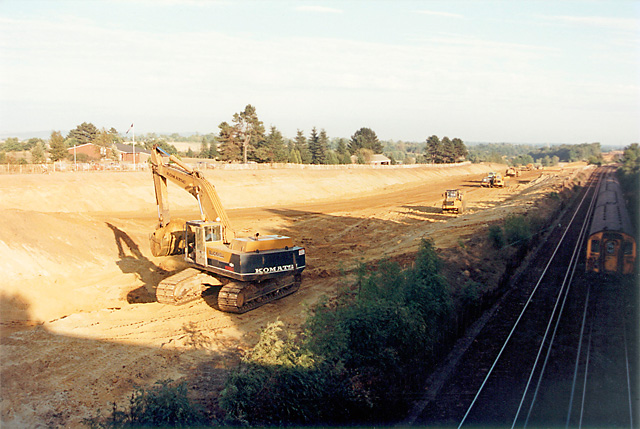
(245, 139)
(546, 156)
(629, 175)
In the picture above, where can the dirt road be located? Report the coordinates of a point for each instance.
(80, 326)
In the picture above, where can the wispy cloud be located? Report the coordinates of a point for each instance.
(438, 13)
(60, 72)
(318, 9)
(627, 24)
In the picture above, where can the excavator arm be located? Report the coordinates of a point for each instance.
(166, 240)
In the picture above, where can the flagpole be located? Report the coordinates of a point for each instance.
(133, 134)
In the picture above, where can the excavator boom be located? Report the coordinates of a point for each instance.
(192, 181)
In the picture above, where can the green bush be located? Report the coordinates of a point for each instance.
(163, 405)
(496, 236)
(517, 230)
(278, 383)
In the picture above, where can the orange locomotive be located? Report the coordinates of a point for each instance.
(611, 246)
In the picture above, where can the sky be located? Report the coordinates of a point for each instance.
(483, 71)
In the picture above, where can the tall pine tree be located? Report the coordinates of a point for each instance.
(434, 150)
(303, 147)
(57, 148)
(365, 138)
(83, 133)
(272, 149)
(238, 142)
(460, 149)
(230, 143)
(448, 154)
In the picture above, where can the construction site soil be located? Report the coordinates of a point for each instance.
(80, 327)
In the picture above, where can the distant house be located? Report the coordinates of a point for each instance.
(376, 159)
(92, 151)
(379, 159)
(126, 153)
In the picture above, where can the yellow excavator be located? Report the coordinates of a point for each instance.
(251, 271)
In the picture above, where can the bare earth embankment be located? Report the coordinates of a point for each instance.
(80, 327)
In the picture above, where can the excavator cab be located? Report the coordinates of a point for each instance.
(197, 234)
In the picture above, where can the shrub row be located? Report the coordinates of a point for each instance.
(358, 356)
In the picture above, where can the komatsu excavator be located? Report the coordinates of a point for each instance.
(251, 271)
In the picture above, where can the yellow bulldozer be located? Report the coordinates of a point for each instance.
(453, 202)
(250, 271)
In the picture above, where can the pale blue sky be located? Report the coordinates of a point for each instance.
(492, 71)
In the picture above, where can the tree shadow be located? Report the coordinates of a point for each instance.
(14, 314)
(133, 261)
(51, 379)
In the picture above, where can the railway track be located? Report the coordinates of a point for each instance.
(559, 350)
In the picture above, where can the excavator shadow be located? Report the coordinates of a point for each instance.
(133, 261)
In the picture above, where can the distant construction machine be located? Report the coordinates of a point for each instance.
(487, 180)
(251, 271)
(453, 201)
(493, 180)
(497, 181)
(512, 172)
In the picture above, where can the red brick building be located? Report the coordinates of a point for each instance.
(126, 153)
(92, 151)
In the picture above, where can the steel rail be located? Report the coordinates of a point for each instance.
(626, 359)
(582, 326)
(577, 364)
(586, 372)
(544, 272)
(563, 294)
(586, 369)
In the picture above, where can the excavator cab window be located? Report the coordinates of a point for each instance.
(190, 240)
(212, 233)
(198, 233)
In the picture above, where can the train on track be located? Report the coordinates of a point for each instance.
(611, 245)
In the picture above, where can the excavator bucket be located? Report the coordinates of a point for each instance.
(169, 239)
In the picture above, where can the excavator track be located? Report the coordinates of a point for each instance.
(183, 287)
(234, 297)
(240, 297)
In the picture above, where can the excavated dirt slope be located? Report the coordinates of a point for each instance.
(80, 327)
